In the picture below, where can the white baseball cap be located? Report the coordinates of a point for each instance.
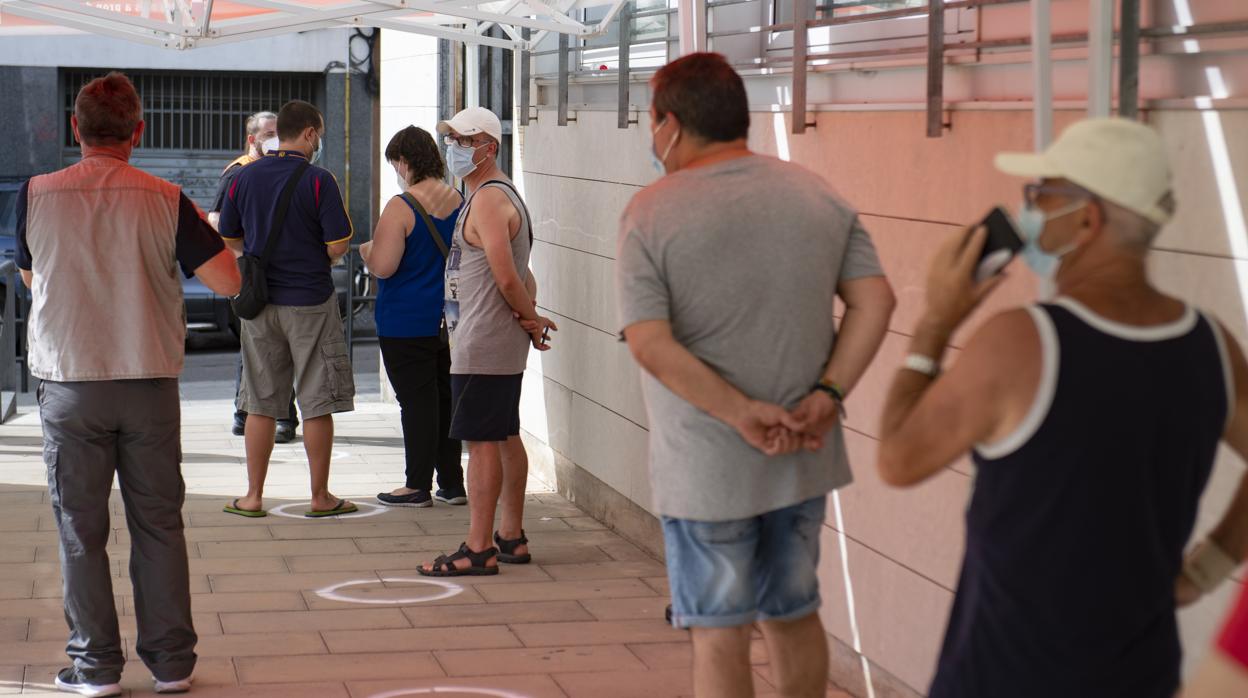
(472, 121)
(1119, 160)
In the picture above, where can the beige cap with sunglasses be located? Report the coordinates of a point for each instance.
(472, 121)
(1119, 160)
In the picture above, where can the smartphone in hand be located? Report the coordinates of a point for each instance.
(1002, 243)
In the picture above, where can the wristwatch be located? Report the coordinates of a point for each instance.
(834, 391)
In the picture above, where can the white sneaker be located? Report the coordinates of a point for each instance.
(70, 681)
(181, 686)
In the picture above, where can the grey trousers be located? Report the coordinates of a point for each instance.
(132, 428)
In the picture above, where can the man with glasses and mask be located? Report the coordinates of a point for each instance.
(489, 286)
(727, 275)
(297, 339)
(1093, 420)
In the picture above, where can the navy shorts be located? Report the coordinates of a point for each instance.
(733, 573)
(485, 408)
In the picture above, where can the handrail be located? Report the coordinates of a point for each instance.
(13, 374)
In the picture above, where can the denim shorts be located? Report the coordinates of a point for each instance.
(732, 573)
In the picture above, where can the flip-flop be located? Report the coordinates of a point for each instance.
(342, 507)
(233, 508)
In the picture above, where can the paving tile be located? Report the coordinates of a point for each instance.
(533, 527)
(17, 588)
(584, 523)
(249, 601)
(337, 667)
(294, 621)
(680, 654)
(548, 660)
(261, 644)
(239, 565)
(624, 551)
(363, 562)
(277, 548)
(597, 633)
(668, 683)
(322, 689)
(496, 613)
(528, 686)
(32, 608)
(283, 582)
(10, 552)
(54, 628)
(42, 652)
(659, 584)
(29, 570)
(347, 530)
(647, 607)
(605, 570)
(420, 639)
(11, 680)
(15, 630)
(553, 591)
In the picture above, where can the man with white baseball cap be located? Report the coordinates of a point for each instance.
(488, 288)
(1093, 422)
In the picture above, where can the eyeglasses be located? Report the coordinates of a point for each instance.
(462, 141)
(1032, 192)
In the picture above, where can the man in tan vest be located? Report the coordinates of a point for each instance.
(100, 245)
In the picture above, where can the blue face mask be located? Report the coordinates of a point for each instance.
(659, 163)
(459, 160)
(1031, 222)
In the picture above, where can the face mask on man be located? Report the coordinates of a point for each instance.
(1031, 223)
(460, 159)
(660, 163)
(270, 145)
(320, 148)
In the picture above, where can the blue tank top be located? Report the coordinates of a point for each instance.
(409, 303)
(1078, 521)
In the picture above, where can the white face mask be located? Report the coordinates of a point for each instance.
(460, 160)
(269, 145)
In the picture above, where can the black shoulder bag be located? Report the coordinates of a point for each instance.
(254, 293)
(437, 240)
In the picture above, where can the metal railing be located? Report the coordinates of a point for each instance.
(13, 369)
(353, 265)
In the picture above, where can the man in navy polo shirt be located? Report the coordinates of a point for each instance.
(298, 336)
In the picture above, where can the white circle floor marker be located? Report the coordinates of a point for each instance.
(489, 692)
(448, 589)
(305, 506)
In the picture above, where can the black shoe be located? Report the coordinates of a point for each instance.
(418, 499)
(240, 425)
(285, 433)
(70, 681)
(455, 497)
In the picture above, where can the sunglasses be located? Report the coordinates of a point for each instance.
(1032, 192)
(462, 141)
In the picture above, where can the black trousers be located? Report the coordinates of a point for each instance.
(420, 372)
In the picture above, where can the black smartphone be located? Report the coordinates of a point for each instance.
(1002, 243)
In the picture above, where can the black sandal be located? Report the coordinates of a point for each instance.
(507, 550)
(444, 565)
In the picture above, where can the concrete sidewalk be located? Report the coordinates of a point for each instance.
(287, 606)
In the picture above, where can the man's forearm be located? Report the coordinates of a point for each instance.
(692, 380)
(517, 296)
(929, 340)
(861, 333)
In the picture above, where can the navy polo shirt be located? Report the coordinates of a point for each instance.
(298, 272)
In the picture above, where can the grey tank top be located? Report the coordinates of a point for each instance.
(485, 338)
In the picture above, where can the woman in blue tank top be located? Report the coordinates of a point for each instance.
(408, 256)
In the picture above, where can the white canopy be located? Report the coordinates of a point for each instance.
(186, 24)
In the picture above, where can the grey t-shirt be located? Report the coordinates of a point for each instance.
(743, 257)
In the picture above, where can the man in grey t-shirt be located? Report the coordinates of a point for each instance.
(728, 269)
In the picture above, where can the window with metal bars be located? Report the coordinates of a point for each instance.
(198, 110)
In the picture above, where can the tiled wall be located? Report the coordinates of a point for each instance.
(901, 548)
